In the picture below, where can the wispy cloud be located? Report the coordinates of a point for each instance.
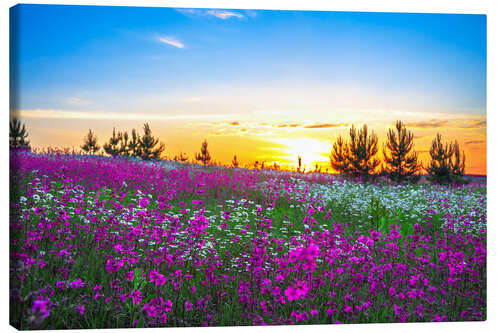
(325, 125)
(474, 142)
(69, 114)
(472, 124)
(310, 126)
(433, 123)
(171, 41)
(251, 13)
(459, 123)
(222, 14)
(76, 101)
(287, 125)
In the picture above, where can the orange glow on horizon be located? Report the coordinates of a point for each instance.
(258, 141)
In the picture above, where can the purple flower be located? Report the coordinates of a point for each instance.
(77, 283)
(156, 277)
(136, 297)
(40, 307)
(168, 305)
(81, 309)
(143, 202)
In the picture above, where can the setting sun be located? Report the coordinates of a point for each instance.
(310, 150)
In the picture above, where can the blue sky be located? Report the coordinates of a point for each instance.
(104, 54)
(166, 64)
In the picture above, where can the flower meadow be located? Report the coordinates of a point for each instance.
(99, 242)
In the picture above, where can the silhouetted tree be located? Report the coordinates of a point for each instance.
(123, 149)
(457, 162)
(18, 136)
(235, 162)
(439, 168)
(90, 145)
(357, 157)
(339, 157)
(151, 147)
(111, 147)
(182, 157)
(256, 164)
(299, 164)
(134, 145)
(400, 158)
(204, 156)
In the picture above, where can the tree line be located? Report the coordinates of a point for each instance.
(145, 146)
(356, 156)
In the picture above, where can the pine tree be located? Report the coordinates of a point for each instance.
(111, 147)
(204, 156)
(151, 147)
(339, 157)
(457, 162)
(182, 157)
(439, 167)
(123, 149)
(134, 145)
(235, 162)
(18, 136)
(357, 157)
(90, 145)
(400, 158)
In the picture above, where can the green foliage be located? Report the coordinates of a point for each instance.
(400, 157)
(18, 136)
(356, 157)
(111, 147)
(151, 147)
(134, 146)
(457, 161)
(146, 147)
(447, 162)
(203, 156)
(123, 149)
(90, 145)
(182, 157)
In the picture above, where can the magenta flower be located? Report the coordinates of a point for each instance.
(168, 305)
(81, 309)
(77, 283)
(298, 291)
(40, 307)
(157, 278)
(136, 297)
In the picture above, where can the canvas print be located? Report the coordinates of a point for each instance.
(175, 167)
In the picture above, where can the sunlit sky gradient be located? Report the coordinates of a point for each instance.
(265, 85)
